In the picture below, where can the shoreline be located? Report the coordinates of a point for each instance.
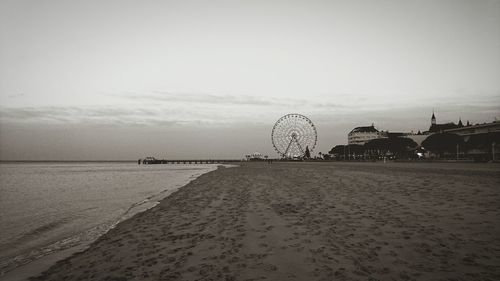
(303, 221)
(46, 260)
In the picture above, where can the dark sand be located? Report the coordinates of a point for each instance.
(310, 221)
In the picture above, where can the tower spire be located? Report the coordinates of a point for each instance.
(433, 118)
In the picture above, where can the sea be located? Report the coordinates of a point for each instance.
(50, 207)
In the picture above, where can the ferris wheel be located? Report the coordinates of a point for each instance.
(293, 134)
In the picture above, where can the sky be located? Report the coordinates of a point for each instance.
(120, 80)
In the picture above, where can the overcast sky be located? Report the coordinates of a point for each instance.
(198, 79)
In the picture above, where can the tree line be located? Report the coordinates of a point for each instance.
(439, 145)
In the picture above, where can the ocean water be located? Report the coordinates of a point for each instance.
(48, 207)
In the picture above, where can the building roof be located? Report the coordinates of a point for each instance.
(366, 129)
(441, 127)
(495, 125)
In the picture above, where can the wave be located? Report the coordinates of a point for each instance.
(85, 238)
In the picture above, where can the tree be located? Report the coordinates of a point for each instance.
(355, 149)
(442, 142)
(484, 142)
(401, 146)
(398, 146)
(338, 151)
(377, 147)
(378, 144)
(307, 154)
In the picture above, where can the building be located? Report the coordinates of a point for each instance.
(476, 129)
(480, 142)
(256, 156)
(361, 135)
(461, 129)
(439, 128)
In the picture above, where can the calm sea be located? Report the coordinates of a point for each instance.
(48, 207)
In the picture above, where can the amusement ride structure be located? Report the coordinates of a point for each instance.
(294, 134)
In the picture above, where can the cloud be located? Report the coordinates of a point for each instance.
(189, 98)
(199, 110)
(91, 115)
(225, 100)
(158, 115)
(15, 96)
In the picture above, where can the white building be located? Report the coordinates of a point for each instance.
(361, 135)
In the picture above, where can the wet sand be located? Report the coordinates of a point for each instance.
(309, 221)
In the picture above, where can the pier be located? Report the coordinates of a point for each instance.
(149, 161)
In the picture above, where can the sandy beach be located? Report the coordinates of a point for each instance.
(309, 221)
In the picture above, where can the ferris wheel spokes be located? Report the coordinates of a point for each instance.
(291, 134)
